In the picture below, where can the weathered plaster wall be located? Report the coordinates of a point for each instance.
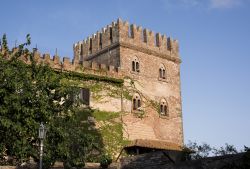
(147, 82)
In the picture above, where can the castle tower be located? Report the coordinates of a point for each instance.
(150, 64)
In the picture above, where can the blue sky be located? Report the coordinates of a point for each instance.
(214, 37)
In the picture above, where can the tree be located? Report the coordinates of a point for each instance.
(200, 151)
(228, 149)
(205, 150)
(29, 95)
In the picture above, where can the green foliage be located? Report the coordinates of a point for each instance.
(81, 76)
(105, 161)
(33, 94)
(5, 43)
(155, 105)
(106, 131)
(127, 95)
(30, 94)
(105, 116)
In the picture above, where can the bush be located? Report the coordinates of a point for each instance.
(105, 161)
(77, 164)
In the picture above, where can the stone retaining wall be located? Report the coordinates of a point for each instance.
(159, 160)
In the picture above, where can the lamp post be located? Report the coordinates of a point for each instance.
(42, 135)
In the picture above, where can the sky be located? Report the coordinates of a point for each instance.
(214, 38)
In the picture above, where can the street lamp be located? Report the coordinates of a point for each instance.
(41, 136)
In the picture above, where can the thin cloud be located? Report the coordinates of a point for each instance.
(226, 3)
(190, 3)
(203, 4)
(181, 4)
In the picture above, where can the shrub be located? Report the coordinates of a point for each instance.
(105, 161)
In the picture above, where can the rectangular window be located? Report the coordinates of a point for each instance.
(139, 103)
(137, 67)
(133, 66)
(134, 104)
(161, 109)
(85, 96)
(160, 73)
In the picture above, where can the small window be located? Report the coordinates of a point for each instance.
(136, 102)
(162, 72)
(139, 103)
(163, 108)
(135, 65)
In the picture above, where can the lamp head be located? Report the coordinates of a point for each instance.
(42, 131)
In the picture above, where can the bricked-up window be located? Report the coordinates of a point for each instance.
(162, 72)
(163, 108)
(135, 65)
(111, 34)
(136, 102)
(84, 96)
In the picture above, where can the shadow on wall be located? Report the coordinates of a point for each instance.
(163, 160)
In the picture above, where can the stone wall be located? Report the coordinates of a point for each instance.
(162, 160)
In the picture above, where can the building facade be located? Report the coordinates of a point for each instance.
(149, 63)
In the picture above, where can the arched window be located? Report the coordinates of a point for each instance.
(136, 101)
(163, 107)
(135, 65)
(162, 72)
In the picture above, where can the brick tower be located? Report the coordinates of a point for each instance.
(150, 66)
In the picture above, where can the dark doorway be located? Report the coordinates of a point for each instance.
(85, 96)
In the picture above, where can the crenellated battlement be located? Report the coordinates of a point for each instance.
(68, 65)
(121, 33)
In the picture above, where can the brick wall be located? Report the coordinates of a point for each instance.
(152, 51)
